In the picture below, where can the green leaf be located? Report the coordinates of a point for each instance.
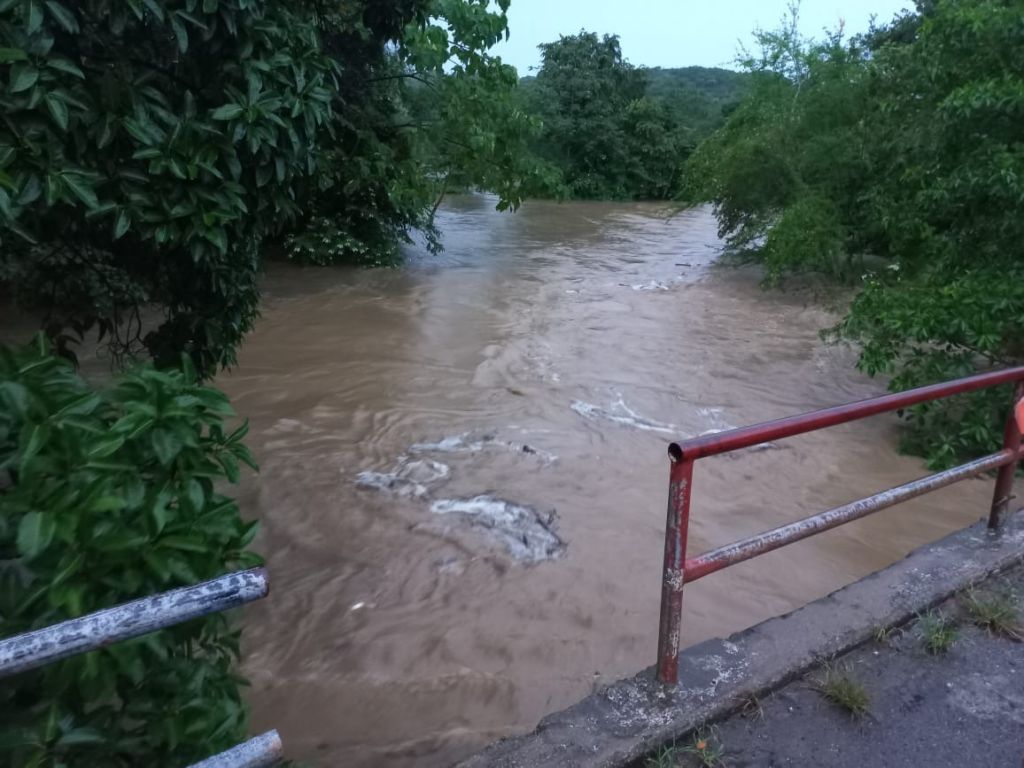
(85, 403)
(183, 543)
(12, 54)
(166, 445)
(63, 16)
(38, 435)
(195, 495)
(119, 541)
(69, 569)
(230, 465)
(21, 232)
(227, 112)
(81, 188)
(107, 504)
(23, 76)
(65, 65)
(81, 736)
(35, 532)
(58, 110)
(103, 448)
(180, 33)
(31, 191)
(34, 19)
(15, 396)
(249, 533)
(159, 510)
(192, 19)
(218, 237)
(239, 433)
(155, 8)
(122, 223)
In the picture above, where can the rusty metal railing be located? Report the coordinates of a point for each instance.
(39, 647)
(680, 570)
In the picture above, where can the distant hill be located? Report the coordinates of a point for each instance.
(698, 97)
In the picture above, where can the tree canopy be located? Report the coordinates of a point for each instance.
(892, 162)
(611, 130)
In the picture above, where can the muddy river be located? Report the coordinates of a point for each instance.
(464, 472)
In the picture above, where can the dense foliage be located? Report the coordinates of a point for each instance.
(894, 163)
(146, 150)
(149, 148)
(614, 131)
(108, 495)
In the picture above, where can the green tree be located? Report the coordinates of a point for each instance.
(581, 93)
(441, 114)
(892, 163)
(951, 300)
(614, 131)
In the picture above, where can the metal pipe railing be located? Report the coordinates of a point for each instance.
(745, 437)
(678, 569)
(86, 633)
(261, 752)
(731, 554)
(30, 650)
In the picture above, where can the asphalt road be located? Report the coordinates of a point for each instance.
(964, 707)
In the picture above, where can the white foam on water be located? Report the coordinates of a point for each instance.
(650, 285)
(716, 417)
(389, 481)
(620, 413)
(467, 442)
(408, 479)
(525, 532)
(719, 424)
(454, 444)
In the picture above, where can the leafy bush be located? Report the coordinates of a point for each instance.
(892, 162)
(149, 148)
(146, 150)
(105, 496)
(324, 242)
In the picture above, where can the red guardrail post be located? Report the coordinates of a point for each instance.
(1004, 480)
(676, 529)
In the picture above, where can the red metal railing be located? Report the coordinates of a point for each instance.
(680, 570)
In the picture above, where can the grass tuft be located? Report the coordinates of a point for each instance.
(838, 686)
(752, 709)
(706, 748)
(666, 757)
(885, 634)
(995, 611)
(938, 633)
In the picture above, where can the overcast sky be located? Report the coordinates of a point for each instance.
(674, 33)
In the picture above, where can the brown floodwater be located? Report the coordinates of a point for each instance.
(543, 362)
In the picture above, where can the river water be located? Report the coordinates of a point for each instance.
(464, 472)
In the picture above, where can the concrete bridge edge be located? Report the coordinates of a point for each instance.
(622, 722)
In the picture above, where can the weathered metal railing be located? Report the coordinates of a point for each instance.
(96, 630)
(680, 570)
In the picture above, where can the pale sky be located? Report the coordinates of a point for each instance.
(675, 33)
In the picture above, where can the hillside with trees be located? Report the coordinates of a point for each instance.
(609, 130)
